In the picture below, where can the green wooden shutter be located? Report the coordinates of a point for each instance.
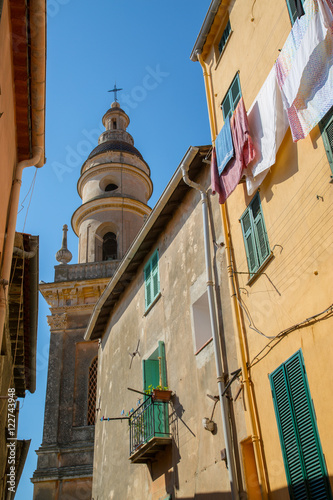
(291, 4)
(262, 243)
(224, 37)
(302, 454)
(226, 107)
(152, 279)
(248, 234)
(147, 275)
(235, 92)
(327, 133)
(231, 98)
(155, 275)
(150, 373)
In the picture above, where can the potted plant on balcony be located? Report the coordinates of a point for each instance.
(159, 393)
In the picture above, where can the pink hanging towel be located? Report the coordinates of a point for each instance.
(244, 153)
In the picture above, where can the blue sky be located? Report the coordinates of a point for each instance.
(144, 46)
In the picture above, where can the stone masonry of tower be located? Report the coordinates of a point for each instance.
(115, 187)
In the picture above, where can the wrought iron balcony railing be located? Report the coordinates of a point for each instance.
(149, 430)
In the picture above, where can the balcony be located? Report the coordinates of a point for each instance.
(85, 271)
(149, 431)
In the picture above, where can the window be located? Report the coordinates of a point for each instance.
(292, 9)
(326, 127)
(109, 246)
(154, 368)
(255, 236)
(111, 187)
(224, 38)
(92, 390)
(201, 322)
(300, 443)
(152, 279)
(232, 98)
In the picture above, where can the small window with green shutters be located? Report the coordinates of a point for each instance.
(152, 279)
(299, 438)
(231, 98)
(255, 235)
(326, 127)
(225, 37)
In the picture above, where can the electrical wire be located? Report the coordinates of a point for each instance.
(32, 191)
(243, 305)
(32, 183)
(327, 313)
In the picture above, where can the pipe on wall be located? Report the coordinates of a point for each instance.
(248, 384)
(191, 153)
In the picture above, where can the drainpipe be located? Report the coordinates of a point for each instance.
(213, 320)
(10, 237)
(248, 384)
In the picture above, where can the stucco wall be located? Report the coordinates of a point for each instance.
(7, 167)
(296, 199)
(7, 120)
(193, 464)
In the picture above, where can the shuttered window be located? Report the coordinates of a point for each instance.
(292, 9)
(224, 38)
(302, 454)
(152, 279)
(326, 127)
(255, 235)
(231, 98)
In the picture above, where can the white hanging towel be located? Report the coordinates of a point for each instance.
(268, 123)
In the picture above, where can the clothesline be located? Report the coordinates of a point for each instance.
(298, 92)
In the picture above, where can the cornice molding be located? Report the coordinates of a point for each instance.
(111, 167)
(101, 204)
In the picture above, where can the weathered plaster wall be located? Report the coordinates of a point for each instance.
(193, 464)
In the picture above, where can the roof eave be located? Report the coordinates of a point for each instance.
(205, 29)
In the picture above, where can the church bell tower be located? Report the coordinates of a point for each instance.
(115, 187)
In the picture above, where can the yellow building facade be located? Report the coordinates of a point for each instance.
(283, 302)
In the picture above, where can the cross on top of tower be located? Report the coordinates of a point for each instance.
(115, 90)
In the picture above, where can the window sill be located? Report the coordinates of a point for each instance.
(152, 304)
(203, 346)
(258, 273)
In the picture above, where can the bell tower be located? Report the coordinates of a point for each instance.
(115, 187)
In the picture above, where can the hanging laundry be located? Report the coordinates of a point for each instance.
(304, 68)
(299, 8)
(224, 146)
(244, 153)
(268, 123)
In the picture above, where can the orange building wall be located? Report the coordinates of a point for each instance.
(7, 120)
